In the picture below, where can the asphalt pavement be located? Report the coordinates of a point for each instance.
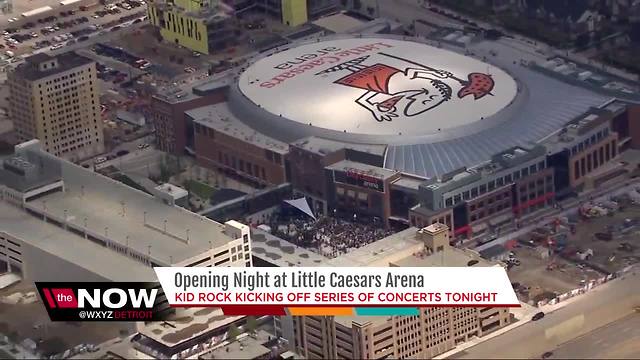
(618, 340)
(597, 308)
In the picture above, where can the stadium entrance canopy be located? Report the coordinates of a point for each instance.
(302, 205)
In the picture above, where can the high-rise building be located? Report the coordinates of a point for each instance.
(55, 99)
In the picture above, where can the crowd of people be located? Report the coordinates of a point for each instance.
(328, 236)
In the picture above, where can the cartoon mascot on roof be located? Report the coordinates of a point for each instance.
(391, 92)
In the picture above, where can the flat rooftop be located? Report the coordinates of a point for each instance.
(374, 171)
(580, 125)
(246, 347)
(127, 217)
(66, 61)
(71, 247)
(282, 253)
(219, 118)
(186, 324)
(451, 256)
(322, 146)
(338, 23)
(408, 182)
(186, 91)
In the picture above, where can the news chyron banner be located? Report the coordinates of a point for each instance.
(335, 291)
(281, 291)
(103, 301)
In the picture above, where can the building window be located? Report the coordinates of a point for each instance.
(601, 151)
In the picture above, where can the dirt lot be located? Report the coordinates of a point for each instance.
(607, 254)
(21, 321)
(542, 283)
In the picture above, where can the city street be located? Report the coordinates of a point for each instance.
(601, 306)
(617, 340)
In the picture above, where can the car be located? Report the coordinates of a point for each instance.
(100, 160)
(83, 38)
(96, 16)
(34, 34)
(537, 316)
(122, 152)
(189, 70)
(56, 47)
(115, 28)
(547, 355)
(14, 19)
(143, 146)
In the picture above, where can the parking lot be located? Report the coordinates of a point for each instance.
(57, 29)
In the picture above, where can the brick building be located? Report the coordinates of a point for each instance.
(492, 194)
(174, 131)
(224, 143)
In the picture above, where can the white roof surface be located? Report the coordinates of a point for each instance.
(71, 247)
(377, 87)
(130, 217)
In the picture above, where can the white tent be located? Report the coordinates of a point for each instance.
(302, 205)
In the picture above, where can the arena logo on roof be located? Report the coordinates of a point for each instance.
(340, 84)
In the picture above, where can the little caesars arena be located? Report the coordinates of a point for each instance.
(434, 109)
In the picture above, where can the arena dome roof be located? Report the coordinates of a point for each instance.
(376, 90)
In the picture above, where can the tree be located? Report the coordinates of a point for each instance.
(233, 332)
(252, 324)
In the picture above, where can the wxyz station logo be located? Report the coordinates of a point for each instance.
(127, 301)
